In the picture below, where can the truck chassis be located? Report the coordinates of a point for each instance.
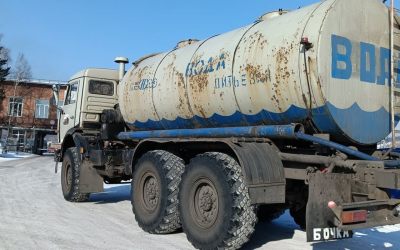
(215, 183)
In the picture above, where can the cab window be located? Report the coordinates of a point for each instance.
(72, 94)
(101, 87)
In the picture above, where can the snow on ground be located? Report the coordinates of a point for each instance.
(34, 215)
(14, 156)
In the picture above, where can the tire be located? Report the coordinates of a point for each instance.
(214, 202)
(70, 171)
(267, 213)
(299, 216)
(155, 188)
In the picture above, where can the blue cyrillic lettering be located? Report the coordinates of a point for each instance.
(221, 63)
(367, 74)
(337, 72)
(199, 70)
(384, 66)
(189, 69)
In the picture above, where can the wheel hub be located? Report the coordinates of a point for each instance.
(151, 192)
(207, 198)
(205, 203)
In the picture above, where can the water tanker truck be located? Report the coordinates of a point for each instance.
(284, 113)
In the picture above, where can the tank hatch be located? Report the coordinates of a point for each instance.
(273, 14)
(185, 43)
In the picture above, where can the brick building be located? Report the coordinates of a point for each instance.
(28, 114)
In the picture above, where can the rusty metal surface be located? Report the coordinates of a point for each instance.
(267, 59)
(170, 97)
(139, 79)
(261, 74)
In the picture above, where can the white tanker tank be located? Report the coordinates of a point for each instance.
(326, 66)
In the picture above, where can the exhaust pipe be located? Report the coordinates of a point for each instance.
(121, 61)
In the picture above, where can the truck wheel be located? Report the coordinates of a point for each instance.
(268, 213)
(70, 176)
(299, 216)
(215, 206)
(155, 188)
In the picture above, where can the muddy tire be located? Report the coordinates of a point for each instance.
(155, 188)
(299, 216)
(70, 171)
(267, 213)
(214, 202)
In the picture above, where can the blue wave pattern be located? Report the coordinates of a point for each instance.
(353, 123)
(363, 127)
(292, 115)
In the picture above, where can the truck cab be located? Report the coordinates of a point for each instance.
(89, 92)
(90, 102)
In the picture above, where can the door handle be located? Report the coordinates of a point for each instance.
(66, 120)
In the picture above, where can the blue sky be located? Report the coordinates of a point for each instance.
(62, 37)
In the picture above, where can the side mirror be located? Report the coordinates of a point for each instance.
(60, 109)
(56, 92)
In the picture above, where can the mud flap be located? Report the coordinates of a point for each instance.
(89, 180)
(319, 217)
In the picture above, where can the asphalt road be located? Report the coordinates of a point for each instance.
(34, 215)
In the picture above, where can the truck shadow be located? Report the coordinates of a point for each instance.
(280, 229)
(112, 194)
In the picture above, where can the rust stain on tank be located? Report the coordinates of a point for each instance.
(256, 42)
(255, 74)
(199, 92)
(314, 77)
(184, 105)
(180, 80)
(181, 91)
(200, 110)
(199, 82)
(282, 76)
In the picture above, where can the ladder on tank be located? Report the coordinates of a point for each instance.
(394, 67)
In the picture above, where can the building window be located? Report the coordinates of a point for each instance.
(18, 136)
(42, 109)
(15, 106)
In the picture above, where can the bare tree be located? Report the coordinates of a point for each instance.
(22, 70)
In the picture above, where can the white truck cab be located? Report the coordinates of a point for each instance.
(88, 93)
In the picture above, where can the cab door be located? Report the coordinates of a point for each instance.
(69, 117)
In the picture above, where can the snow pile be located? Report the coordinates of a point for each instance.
(9, 156)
